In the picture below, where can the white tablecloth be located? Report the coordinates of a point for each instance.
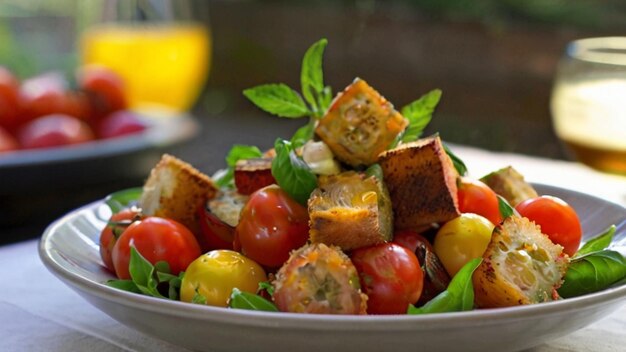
(39, 313)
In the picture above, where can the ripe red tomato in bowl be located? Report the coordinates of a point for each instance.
(156, 239)
(391, 277)
(272, 224)
(104, 89)
(120, 123)
(7, 141)
(54, 131)
(556, 218)
(116, 225)
(47, 94)
(476, 197)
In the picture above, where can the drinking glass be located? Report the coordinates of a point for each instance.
(589, 102)
(156, 46)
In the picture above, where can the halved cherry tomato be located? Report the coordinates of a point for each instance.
(216, 234)
(156, 239)
(271, 225)
(556, 218)
(53, 131)
(476, 197)
(462, 239)
(390, 276)
(112, 231)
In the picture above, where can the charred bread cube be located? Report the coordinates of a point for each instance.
(350, 210)
(421, 180)
(360, 124)
(520, 266)
(510, 184)
(253, 174)
(176, 190)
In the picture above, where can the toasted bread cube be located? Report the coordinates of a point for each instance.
(360, 124)
(350, 210)
(253, 174)
(510, 184)
(520, 266)
(176, 190)
(422, 183)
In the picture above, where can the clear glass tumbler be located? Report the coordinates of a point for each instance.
(589, 102)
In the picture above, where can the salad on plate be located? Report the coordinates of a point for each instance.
(356, 213)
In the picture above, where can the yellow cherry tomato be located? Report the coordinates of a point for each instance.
(212, 276)
(462, 239)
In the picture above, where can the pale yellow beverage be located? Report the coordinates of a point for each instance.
(163, 65)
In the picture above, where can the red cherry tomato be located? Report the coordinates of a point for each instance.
(390, 276)
(476, 197)
(104, 87)
(112, 231)
(271, 225)
(156, 239)
(47, 94)
(53, 131)
(556, 218)
(411, 240)
(9, 100)
(120, 123)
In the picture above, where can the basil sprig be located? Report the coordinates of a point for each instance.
(593, 272)
(236, 153)
(292, 173)
(459, 296)
(123, 199)
(419, 113)
(597, 243)
(147, 278)
(505, 208)
(246, 300)
(459, 165)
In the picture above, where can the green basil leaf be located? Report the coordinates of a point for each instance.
(163, 267)
(198, 298)
(265, 285)
(506, 209)
(459, 165)
(236, 153)
(123, 199)
(302, 135)
(142, 273)
(459, 296)
(312, 77)
(291, 172)
(419, 113)
(278, 99)
(593, 272)
(597, 243)
(246, 300)
(125, 285)
(173, 291)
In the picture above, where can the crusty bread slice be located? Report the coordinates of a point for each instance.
(510, 184)
(350, 210)
(520, 266)
(422, 183)
(176, 190)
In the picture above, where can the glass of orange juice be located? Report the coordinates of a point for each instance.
(154, 45)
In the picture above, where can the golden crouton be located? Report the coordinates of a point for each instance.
(422, 183)
(520, 266)
(360, 124)
(510, 184)
(176, 190)
(350, 210)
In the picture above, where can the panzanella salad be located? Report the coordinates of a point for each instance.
(356, 213)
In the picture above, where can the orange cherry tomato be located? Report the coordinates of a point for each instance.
(476, 197)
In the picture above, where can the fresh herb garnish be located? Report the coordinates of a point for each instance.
(593, 272)
(419, 113)
(292, 173)
(236, 153)
(123, 199)
(250, 301)
(267, 287)
(312, 79)
(505, 208)
(598, 243)
(147, 278)
(459, 165)
(278, 99)
(459, 296)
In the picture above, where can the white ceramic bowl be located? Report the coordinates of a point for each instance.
(69, 248)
